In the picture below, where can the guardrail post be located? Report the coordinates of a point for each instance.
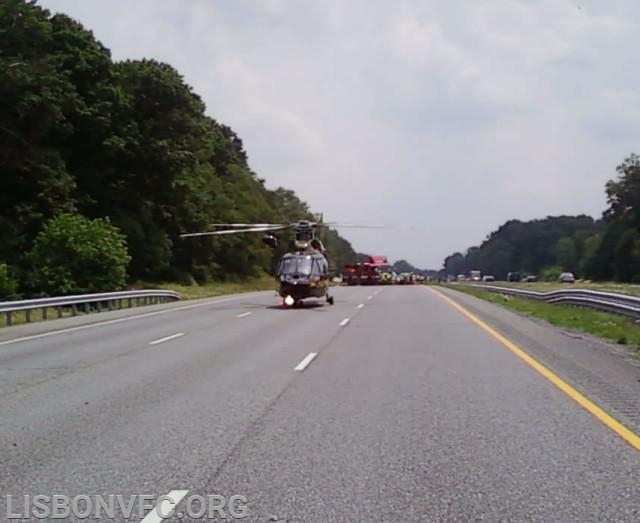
(59, 309)
(74, 309)
(44, 313)
(28, 315)
(9, 318)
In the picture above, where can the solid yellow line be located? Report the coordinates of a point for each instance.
(624, 432)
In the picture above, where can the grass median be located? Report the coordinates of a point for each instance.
(624, 288)
(612, 327)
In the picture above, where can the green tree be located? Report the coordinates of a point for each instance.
(589, 258)
(455, 264)
(618, 253)
(551, 273)
(623, 193)
(566, 254)
(74, 254)
(626, 256)
(36, 98)
(8, 283)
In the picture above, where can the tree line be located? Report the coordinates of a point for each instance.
(601, 249)
(105, 160)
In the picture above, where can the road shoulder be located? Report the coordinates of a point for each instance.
(605, 373)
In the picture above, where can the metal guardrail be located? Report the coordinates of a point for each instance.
(616, 303)
(85, 303)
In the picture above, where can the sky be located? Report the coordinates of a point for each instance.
(441, 120)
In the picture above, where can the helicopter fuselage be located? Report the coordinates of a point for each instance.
(302, 275)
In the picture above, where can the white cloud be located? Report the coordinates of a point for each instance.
(452, 117)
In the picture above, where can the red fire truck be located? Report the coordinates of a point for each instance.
(350, 274)
(368, 272)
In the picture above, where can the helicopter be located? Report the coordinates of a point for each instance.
(303, 272)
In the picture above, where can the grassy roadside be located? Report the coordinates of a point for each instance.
(188, 292)
(625, 288)
(618, 329)
(191, 292)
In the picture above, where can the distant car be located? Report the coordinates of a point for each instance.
(488, 277)
(513, 276)
(475, 275)
(461, 277)
(530, 279)
(567, 277)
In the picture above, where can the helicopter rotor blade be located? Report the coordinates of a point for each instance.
(295, 224)
(352, 225)
(234, 231)
(249, 225)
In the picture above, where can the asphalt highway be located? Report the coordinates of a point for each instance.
(395, 404)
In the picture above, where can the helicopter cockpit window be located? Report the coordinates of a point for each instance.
(319, 266)
(314, 266)
(287, 266)
(296, 265)
(304, 265)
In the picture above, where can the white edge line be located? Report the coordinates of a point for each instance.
(360, 306)
(369, 297)
(167, 338)
(166, 507)
(305, 362)
(344, 322)
(117, 320)
(243, 315)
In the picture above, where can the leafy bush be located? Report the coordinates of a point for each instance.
(551, 273)
(8, 284)
(74, 254)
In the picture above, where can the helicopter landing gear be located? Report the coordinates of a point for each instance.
(330, 300)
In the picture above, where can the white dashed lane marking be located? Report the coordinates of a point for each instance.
(168, 338)
(305, 362)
